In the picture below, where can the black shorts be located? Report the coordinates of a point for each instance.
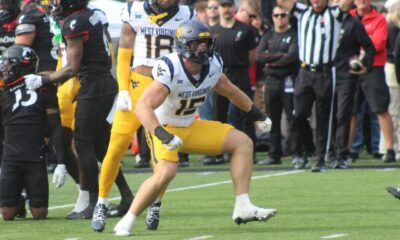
(372, 87)
(16, 176)
(90, 118)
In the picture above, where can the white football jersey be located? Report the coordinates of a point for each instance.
(154, 36)
(185, 92)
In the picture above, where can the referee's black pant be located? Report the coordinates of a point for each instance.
(313, 86)
(276, 100)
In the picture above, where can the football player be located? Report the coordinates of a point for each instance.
(24, 111)
(147, 33)
(88, 57)
(33, 30)
(166, 109)
(66, 94)
(9, 11)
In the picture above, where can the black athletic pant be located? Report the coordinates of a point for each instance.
(92, 133)
(344, 100)
(239, 77)
(277, 100)
(313, 86)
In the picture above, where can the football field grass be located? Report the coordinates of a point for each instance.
(346, 204)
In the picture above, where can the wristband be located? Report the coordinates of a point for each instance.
(45, 80)
(256, 114)
(162, 134)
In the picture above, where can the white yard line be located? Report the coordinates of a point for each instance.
(200, 237)
(197, 186)
(336, 235)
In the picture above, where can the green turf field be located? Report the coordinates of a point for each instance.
(347, 204)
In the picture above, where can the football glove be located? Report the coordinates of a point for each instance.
(262, 121)
(59, 175)
(170, 141)
(124, 102)
(33, 81)
(264, 126)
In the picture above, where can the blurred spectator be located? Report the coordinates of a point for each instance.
(318, 31)
(372, 86)
(353, 38)
(393, 18)
(236, 42)
(278, 54)
(367, 134)
(201, 10)
(212, 12)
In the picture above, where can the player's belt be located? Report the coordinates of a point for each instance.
(143, 70)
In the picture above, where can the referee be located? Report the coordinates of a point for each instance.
(318, 30)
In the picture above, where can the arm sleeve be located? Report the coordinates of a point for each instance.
(124, 59)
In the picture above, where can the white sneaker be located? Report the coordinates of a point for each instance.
(122, 229)
(252, 213)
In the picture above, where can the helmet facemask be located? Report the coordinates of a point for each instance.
(199, 50)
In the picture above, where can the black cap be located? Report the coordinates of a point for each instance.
(231, 2)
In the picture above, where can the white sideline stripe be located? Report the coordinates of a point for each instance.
(337, 235)
(230, 181)
(200, 237)
(196, 186)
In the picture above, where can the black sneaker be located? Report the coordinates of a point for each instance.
(153, 216)
(270, 161)
(87, 213)
(142, 163)
(339, 164)
(214, 160)
(390, 156)
(394, 191)
(183, 163)
(353, 156)
(319, 167)
(99, 217)
(301, 162)
(22, 208)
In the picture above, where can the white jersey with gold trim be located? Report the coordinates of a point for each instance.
(186, 93)
(154, 33)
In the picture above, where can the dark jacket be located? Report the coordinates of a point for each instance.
(353, 37)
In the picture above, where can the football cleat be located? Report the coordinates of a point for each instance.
(252, 213)
(87, 213)
(99, 217)
(121, 209)
(153, 216)
(395, 191)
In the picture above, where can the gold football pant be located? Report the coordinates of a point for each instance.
(125, 124)
(66, 94)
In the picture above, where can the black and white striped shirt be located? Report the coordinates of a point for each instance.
(318, 33)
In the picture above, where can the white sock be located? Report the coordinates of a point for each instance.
(129, 219)
(102, 200)
(83, 200)
(242, 200)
